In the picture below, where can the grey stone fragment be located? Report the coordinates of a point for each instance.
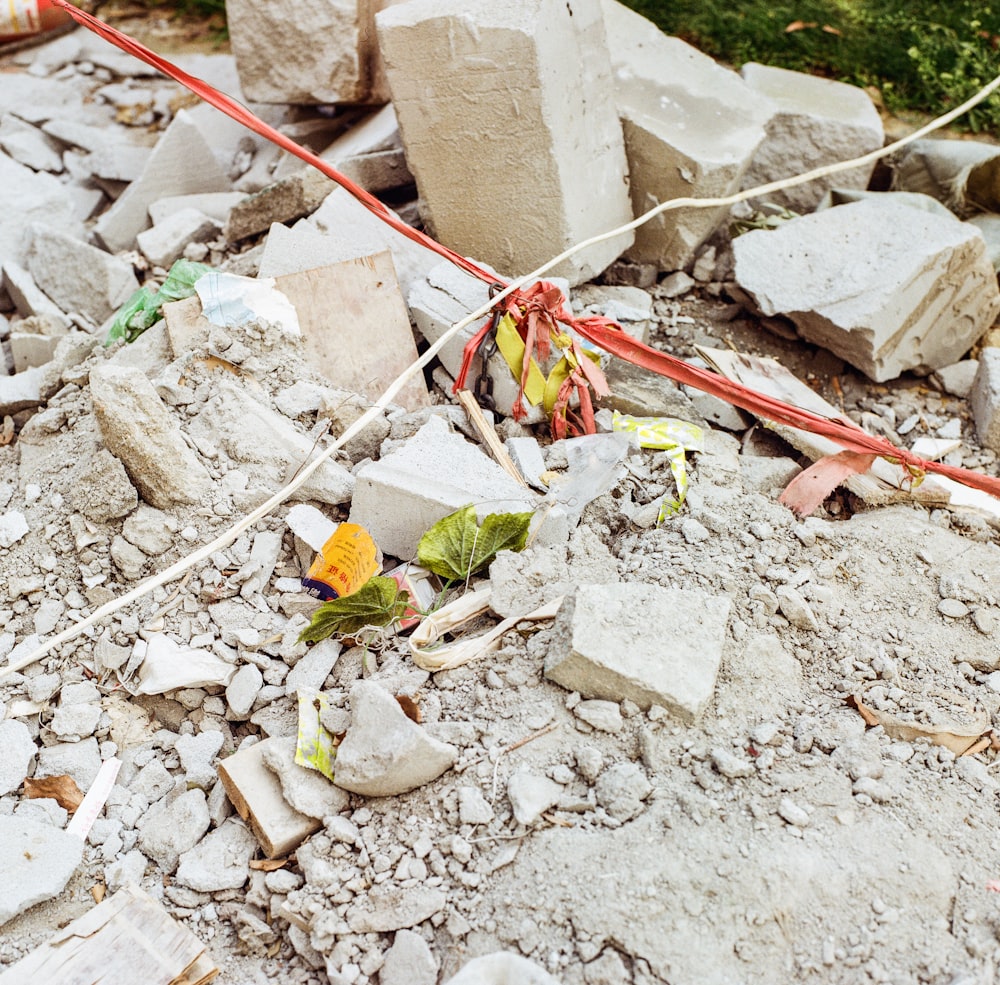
(18, 751)
(305, 789)
(220, 860)
(77, 276)
(985, 398)
(153, 781)
(621, 790)
(502, 968)
(609, 644)
(127, 868)
(36, 862)
(129, 560)
(886, 317)
(957, 379)
(731, 766)
(29, 298)
(169, 833)
(386, 908)
(13, 526)
(75, 720)
(605, 716)
(151, 530)
(166, 241)
(385, 753)
(197, 753)
(101, 489)
(473, 807)
(795, 608)
(44, 810)
(314, 668)
(789, 811)
(242, 690)
(137, 427)
(531, 795)
(409, 961)
(80, 760)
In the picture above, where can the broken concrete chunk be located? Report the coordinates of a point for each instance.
(167, 834)
(13, 526)
(137, 427)
(36, 862)
(101, 489)
(398, 498)
(985, 398)
(220, 860)
(385, 753)
(816, 122)
(307, 790)
(326, 53)
(28, 145)
(931, 294)
(409, 961)
(557, 84)
(242, 690)
(502, 968)
(18, 752)
(386, 908)
(167, 240)
(182, 163)
(77, 276)
(691, 129)
(610, 643)
(256, 794)
(80, 760)
(197, 753)
(621, 790)
(531, 795)
(29, 298)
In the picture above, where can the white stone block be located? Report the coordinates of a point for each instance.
(510, 128)
(400, 497)
(641, 643)
(886, 287)
(182, 163)
(817, 122)
(985, 398)
(307, 54)
(165, 242)
(691, 129)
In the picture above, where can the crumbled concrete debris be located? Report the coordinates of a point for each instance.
(531, 795)
(218, 861)
(19, 751)
(409, 961)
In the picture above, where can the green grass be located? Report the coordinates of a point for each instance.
(926, 56)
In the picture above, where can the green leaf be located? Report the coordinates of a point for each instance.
(377, 602)
(457, 547)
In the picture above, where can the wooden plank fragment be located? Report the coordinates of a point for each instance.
(882, 484)
(128, 938)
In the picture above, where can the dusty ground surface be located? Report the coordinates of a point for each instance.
(777, 839)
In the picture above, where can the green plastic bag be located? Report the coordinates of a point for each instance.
(144, 308)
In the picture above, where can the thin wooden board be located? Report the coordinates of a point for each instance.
(882, 485)
(127, 939)
(356, 326)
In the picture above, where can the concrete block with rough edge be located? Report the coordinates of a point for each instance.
(816, 122)
(138, 429)
(219, 861)
(886, 287)
(640, 642)
(182, 163)
(691, 130)
(514, 195)
(168, 833)
(305, 789)
(77, 276)
(308, 55)
(502, 968)
(385, 753)
(29, 298)
(36, 861)
(255, 792)
(166, 241)
(398, 498)
(985, 398)
(409, 961)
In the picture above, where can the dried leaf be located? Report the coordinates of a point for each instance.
(809, 488)
(833, 30)
(268, 864)
(871, 719)
(799, 26)
(62, 789)
(410, 708)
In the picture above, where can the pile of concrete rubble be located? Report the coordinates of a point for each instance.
(748, 748)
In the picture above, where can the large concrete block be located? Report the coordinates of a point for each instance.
(508, 119)
(399, 498)
(691, 129)
(817, 122)
(645, 643)
(307, 54)
(182, 163)
(887, 287)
